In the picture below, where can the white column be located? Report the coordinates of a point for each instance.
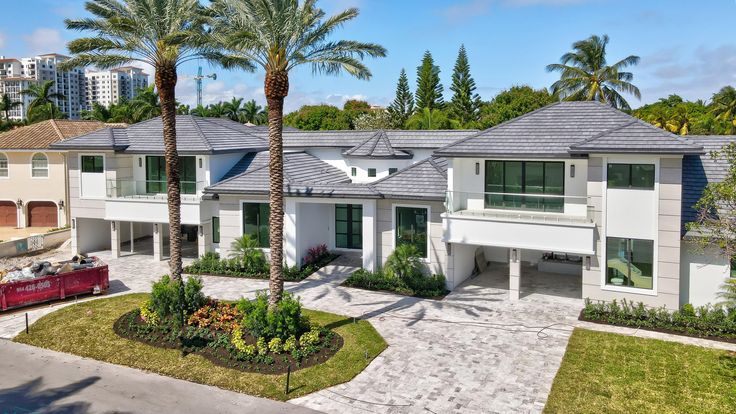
(75, 235)
(291, 245)
(132, 237)
(22, 222)
(514, 273)
(369, 235)
(204, 238)
(158, 242)
(115, 238)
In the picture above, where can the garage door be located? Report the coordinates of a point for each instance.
(42, 214)
(8, 214)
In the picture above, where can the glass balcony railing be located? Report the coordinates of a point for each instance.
(149, 188)
(520, 206)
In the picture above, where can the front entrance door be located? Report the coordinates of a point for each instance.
(349, 226)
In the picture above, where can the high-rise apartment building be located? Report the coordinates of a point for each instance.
(109, 86)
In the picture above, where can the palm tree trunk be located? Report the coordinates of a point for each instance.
(276, 88)
(166, 84)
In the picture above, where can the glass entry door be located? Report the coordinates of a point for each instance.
(349, 226)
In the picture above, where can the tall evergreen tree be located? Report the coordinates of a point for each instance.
(465, 104)
(429, 89)
(403, 105)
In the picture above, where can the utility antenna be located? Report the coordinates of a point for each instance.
(199, 78)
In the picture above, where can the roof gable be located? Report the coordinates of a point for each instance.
(376, 146)
(425, 179)
(43, 134)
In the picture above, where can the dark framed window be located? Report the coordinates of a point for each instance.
(629, 262)
(215, 229)
(640, 176)
(392, 171)
(411, 227)
(156, 174)
(353, 171)
(255, 222)
(349, 226)
(93, 164)
(510, 180)
(371, 172)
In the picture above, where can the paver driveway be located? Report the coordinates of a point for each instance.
(472, 352)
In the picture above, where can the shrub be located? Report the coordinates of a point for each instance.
(404, 262)
(310, 338)
(261, 346)
(290, 344)
(149, 316)
(165, 300)
(282, 322)
(216, 315)
(315, 254)
(248, 253)
(704, 321)
(417, 285)
(275, 345)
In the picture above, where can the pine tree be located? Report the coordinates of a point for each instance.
(429, 89)
(403, 105)
(465, 104)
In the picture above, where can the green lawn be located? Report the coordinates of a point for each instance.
(610, 373)
(85, 329)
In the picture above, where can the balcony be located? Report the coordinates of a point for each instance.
(528, 221)
(151, 190)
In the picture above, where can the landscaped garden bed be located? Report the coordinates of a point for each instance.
(402, 274)
(709, 322)
(240, 346)
(249, 261)
(610, 373)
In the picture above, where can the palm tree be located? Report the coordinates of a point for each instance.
(43, 103)
(97, 113)
(724, 106)
(160, 33)
(7, 104)
(252, 113)
(233, 108)
(145, 105)
(586, 76)
(278, 36)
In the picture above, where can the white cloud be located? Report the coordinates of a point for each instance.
(44, 40)
(692, 75)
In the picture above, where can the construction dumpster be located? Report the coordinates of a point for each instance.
(53, 287)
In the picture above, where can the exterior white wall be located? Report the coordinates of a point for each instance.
(149, 211)
(333, 157)
(216, 166)
(702, 273)
(231, 221)
(90, 235)
(460, 264)
(312, 227)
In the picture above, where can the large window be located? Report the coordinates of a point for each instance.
(629, 262)
(156, 174)
(255, 222)
(639, 176)
(349, 226)
(509, 180)
(39, 166)
(92, 164)
(3, 165)
(411, 227)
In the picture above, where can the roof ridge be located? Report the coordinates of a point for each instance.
(379, 137)
(243, 173)
(199, 131)
(390, 146)
(208, 119)
(386, 178)
(436, 167)
(56, 129)
(355, 148)
(461, 140)
(603, 133)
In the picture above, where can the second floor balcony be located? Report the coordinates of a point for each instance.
(151, 189)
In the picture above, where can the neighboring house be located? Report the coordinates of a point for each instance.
(33, 177)
(575, 188)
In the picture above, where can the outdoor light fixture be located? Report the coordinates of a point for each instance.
(514, 255)
(587, 262)
(19, 203)
(140, 161)
(201, 231)
(74, 223)
(200, 163)
(155, 227)
(477, 168)
(572, 171)
(112, 223)
(61, 204)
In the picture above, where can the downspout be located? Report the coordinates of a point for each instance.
(67, 207)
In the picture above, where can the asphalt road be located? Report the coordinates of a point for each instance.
(35, 380)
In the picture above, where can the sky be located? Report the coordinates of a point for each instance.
(686, 47)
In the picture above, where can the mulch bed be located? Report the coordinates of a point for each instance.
(660, 330)
(223, 358)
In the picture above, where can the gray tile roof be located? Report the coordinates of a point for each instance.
(304, 174)
(194, 135)
(552, 131)
(426, 179)
(699, 170)
(377, 145)
(401, 139)
(636, 137)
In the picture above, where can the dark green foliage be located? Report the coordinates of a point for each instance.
(282, 322)
(211, 264)
(465, 103)
(419, 285)
(404, 262)
(318, 117)
(248, 253)
(512, 103)
(704, 321)
(429, 89)
(403, 105)
(165, 297)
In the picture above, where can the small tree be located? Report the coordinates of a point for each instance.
(403, 105)
(465, 103)
(716, 223)
(429, 89)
